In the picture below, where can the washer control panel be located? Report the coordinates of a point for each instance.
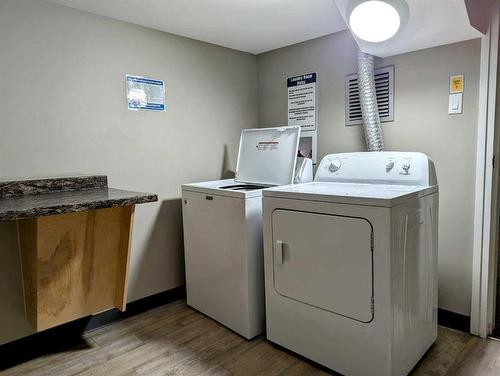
(404, 168)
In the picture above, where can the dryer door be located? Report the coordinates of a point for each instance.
(325, 261)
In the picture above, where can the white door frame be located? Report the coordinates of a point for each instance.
(485, 207)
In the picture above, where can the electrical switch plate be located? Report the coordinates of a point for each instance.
(455, 104)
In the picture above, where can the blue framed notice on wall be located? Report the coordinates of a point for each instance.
(145, 93)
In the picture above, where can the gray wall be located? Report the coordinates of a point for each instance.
(421, 124)
(63, 110)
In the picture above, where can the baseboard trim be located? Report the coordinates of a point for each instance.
(453, 320)
(135, 307)
(69, 335)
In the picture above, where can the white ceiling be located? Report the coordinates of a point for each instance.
(258, 26)
(253, 26)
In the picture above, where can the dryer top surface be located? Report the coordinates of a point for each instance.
(386, 195)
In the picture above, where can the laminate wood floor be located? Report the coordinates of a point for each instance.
(177, 340)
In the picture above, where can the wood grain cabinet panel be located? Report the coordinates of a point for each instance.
(74, 264)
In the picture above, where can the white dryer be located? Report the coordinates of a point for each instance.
(223, 230)
(351, 263)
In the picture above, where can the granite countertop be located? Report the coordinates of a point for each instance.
(52, 196)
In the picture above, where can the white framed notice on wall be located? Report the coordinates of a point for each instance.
(301, 91)
(308, 145)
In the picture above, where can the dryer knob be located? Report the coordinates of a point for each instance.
(406, 169)
(335, 165)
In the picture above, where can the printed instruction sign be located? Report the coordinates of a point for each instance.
(302, 101)
(145, 94)
(267, 145)
(457, 84)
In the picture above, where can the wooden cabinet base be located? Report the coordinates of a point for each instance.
(75, 264)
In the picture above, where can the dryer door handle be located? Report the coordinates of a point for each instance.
(278, 252)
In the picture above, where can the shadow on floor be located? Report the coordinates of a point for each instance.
(67, 338)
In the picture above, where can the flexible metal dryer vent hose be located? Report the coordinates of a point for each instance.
(368, 101)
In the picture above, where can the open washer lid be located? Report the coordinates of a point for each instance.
(267, 155)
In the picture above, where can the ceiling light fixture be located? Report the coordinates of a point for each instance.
(376, 20)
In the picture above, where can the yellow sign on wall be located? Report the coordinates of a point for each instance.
(457, 84)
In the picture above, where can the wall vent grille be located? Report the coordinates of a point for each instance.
(384, 84)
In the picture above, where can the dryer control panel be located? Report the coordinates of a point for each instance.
(380, 167)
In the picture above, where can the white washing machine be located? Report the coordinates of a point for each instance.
(223, 230)
(351, 263)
